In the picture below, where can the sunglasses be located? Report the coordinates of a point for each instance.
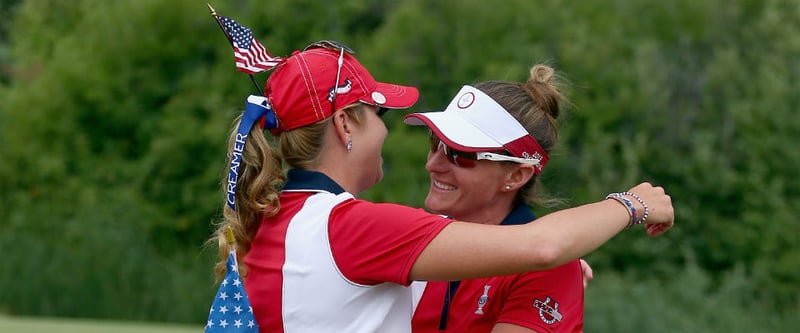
(469, 159)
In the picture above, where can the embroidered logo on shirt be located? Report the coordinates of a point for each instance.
(483, 299)
(548, 310)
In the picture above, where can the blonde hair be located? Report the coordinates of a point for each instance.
(261, 178)
(536, 104)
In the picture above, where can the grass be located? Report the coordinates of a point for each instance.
(63, 325)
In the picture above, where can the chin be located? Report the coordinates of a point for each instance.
(433, 205)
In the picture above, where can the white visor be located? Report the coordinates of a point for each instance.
(474, 122)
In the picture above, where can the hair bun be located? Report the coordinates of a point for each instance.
(542, 74)
(544, 88)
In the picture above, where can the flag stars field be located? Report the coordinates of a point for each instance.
(227, 313)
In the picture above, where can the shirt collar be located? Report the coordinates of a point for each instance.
(306, 180)
(521, 214)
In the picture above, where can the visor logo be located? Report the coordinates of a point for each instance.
(466, 100)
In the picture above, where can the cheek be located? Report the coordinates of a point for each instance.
(380, 139)
(470, 183)
(377, 128)
(483, 180)
(384, 132)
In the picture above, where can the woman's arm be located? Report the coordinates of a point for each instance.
(470, 250)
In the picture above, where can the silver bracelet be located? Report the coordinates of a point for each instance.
(620, 197)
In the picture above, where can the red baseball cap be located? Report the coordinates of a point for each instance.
(301, 89)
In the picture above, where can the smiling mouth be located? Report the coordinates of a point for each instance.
(442, 186)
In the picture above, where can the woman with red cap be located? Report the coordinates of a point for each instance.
(318, 259)
(468, 184)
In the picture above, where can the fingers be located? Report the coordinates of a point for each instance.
(587, 272)
(654, 230)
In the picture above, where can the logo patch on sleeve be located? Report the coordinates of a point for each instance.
(548, 310)
(483, 299)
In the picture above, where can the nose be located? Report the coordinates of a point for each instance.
(437, 161)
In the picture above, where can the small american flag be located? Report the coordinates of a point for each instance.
(231, 310)
(251, 56)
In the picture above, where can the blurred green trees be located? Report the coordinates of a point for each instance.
(114, 116)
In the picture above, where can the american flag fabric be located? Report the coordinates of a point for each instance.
(231, 310)
(251, 56)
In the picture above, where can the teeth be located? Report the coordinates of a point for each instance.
(443, 186)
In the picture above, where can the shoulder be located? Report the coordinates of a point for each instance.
(567, 279)
(356, 208)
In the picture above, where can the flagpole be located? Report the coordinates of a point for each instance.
(232, 244)
(214, 14)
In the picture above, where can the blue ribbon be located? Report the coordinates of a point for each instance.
(257, 107)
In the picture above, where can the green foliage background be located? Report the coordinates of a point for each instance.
(114, 116)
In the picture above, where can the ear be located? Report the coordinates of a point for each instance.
(342, 125)
(519, 175)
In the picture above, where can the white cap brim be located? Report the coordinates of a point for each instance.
(472, 121)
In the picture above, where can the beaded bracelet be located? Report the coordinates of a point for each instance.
(641, 201)
(620, 197)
